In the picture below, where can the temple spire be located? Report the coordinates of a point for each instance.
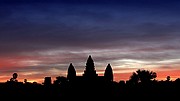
(90, 68)
(108, 74)
(71, 72)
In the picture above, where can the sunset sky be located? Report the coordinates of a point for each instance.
(41, 38)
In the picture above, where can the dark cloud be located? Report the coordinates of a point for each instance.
(38, 38)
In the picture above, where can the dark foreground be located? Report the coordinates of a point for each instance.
(164, 90)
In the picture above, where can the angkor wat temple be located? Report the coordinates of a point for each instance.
(90, 81)
(90, 74)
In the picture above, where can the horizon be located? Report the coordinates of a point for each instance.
(117, 77)
(40, 38)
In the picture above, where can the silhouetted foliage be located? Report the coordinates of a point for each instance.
(134, 78)
(168, 78)
(25, 80)
(14, 77)
(60, 80)
(143, 76)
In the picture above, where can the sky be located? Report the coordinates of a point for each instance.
(40, 38)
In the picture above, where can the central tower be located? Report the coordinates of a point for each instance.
(90, 71)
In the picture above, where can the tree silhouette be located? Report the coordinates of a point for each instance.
(168, 78)
(134, 78)
(14, 78)
(60, 80)
(25, 80)
(143, 76)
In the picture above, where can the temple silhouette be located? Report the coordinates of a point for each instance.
(90, 74)
(89, 81)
